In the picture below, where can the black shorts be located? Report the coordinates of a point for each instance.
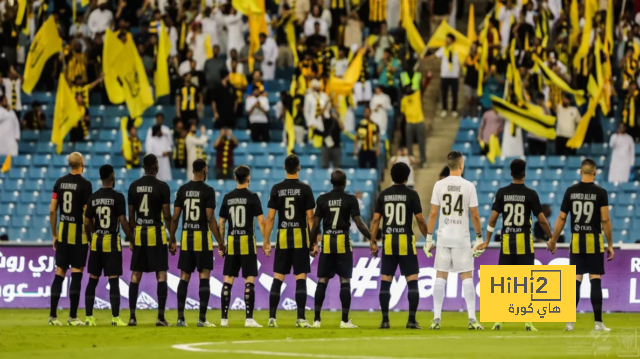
(408, 264)
(248, 263)
(516, 259)
(150, 259)
(298, 258)
(108, 262)
(195, 260)
(331, 264)
(592, 263)
(71, 255)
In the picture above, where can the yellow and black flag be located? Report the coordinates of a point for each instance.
(132, 75)
(66, 114)
(46, 43)
(530, 120)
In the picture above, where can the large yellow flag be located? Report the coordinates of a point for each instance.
(461, 45)
(246, 7)
(536, 123)
(581, 131)
(290, 31)
(345, 85)
(257, 25)
(471, 25)
(45, 44)
(608, 32)
(484, 55)
(583, 49)
(133, 76)
(66, 114)
(22, 7)
(110, 54)
(413, 35)
(552, 77)
(574, 18)
(161, 76)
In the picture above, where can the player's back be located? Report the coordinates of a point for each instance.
(147, 195)
(397, 206)
(194, 198)
(105, 207)
(583, 202)
(241, 206)
(72, 191)
(292, 199)
(455, 195)
(516, 203)
(336, 209)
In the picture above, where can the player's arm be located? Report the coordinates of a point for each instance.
(222, 225)
(53, 219)
(608, 231)
(544, 223)
(491, 227)
(375, 226)
(313, 241)
(128, 231)
(477, 227)
(177, 211)
(132, 216)
(560, 222)
(268, 227)
(422, 224)
(315, 230)
(213, 227)
(261, 223)
(362, 227)
(88, 228)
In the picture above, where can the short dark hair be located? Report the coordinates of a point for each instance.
(149, 160)
(518, 169)
(453, 160)
(400, 172)
(452, 37)
(339, 178)
(588, 167)
(291, 164)
(199, 165)
(106, 171)
(242, 172)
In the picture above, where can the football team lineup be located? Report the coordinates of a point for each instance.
(317, 228)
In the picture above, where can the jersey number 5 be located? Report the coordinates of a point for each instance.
(457, 207)
(289, 208)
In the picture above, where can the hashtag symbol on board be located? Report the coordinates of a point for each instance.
(365, 275)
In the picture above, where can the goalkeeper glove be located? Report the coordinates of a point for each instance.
(478, 252)
(428, 246)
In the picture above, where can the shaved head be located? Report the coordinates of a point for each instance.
(76, 161)
(339, 178)
(588, 167)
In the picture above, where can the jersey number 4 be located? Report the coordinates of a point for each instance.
(457, 207)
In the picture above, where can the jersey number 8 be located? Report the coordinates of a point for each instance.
(66, 202)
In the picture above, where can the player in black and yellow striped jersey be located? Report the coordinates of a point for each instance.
(196, 250)
(149, 212)
(588, 205)
(240, 207)
(293, 201)
(395, 207)
(336, 209)
(71, 193)
(516, 203)
(106, 211)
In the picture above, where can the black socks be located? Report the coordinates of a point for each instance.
(249, 298)
(414, 299)
(274, 297)
(596, 298)
(74, 294)
(321, 290)
(345, 299)
(301, 297)
(578, 292)
(162, 298)
(133, 299)
(225, 300)
(90, 296)
(182, 297)
(385, 298)
(114, 295)
(56, 290)
(204, 294)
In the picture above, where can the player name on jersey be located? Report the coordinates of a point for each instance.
(585, 196)
(514, 198)
(69, 186)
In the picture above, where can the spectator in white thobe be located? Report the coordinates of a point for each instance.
(195, 147)
(9, 128)
(163, 151)
(623, 155)
(270, 55)
(380, 103)
(100, 19)
(166, 132)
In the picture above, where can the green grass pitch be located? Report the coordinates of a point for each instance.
(24, 334)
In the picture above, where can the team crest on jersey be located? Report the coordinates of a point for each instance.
(283, 224)
(389, 230)
(446, 221)
(576, 228)
(507, 230)
(328, 231)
